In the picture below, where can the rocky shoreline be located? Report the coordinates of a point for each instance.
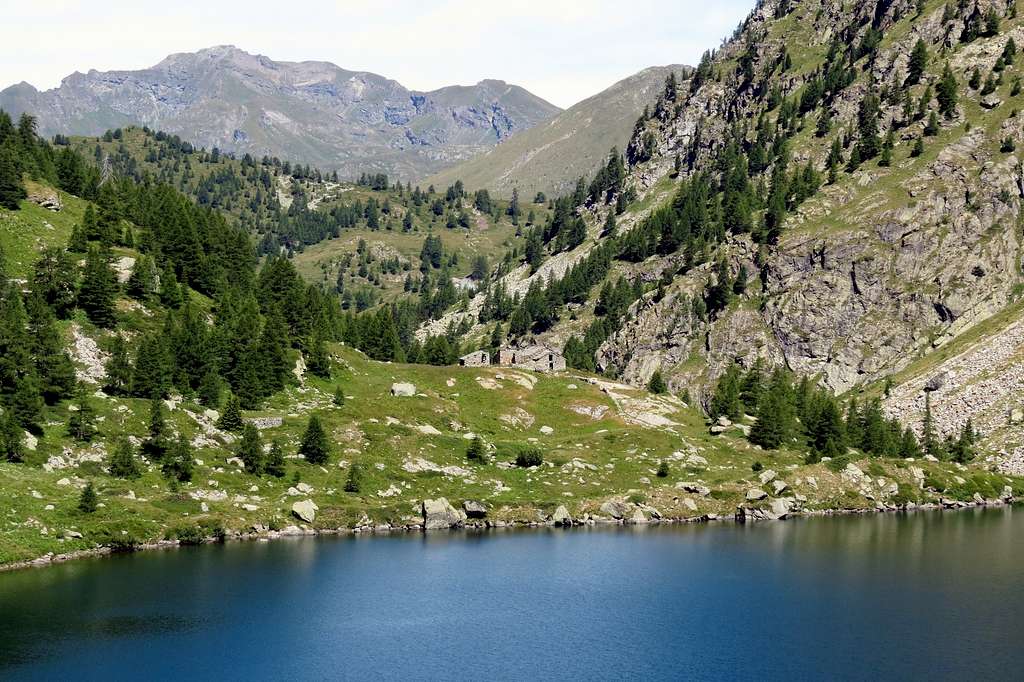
(556, 520)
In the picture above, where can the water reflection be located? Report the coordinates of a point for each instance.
(919, 595)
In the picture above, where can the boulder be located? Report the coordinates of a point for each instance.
(616, 510)
(638, 516)
(305, 510)
(755, 494)
(474, 509)
(766, 476)
(780, 507)
(403, 390)
(1016, 416)
(46, 198)
(991, 101)
(936, 382)
(561, 516)
(724, 421)
(440, 514)
(695, 488)
(778, 486)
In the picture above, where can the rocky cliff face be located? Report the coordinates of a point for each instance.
(876, 269)
(312, 112)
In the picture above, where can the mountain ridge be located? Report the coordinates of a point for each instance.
(552, 155)
(311, 111)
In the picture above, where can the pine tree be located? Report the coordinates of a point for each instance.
(918, 64)
(339, 397)
(657, 383)
(142, 283)
(775, 413)
(275, 460)
(828, 434)
(98, 289)
(318, 362)
(354, 481)
(118, 368)
(123, 463)
(726, 399)
(476, 452)
(918, 148)
(89, 500)
(250, 450)
(12, 189)
(946, 92)
(886, 159)
(909, 447)
(179, 464)
(157, 439)
(12, 447)
(82, 422)
(314, 446)
(231, 419)
(929, 442)
(209, 391)
(931, 129)
(151, 375)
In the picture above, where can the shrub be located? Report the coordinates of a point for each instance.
(189, 535)
(657, 383)
(839, 463)
(529, 457)
(475, 452)
(88, 501)
(756, 466)
(663, 469)
(355, 478)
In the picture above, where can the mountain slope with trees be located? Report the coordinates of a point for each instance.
(836, 190)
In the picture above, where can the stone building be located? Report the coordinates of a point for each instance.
(479, 358)
(536, 358)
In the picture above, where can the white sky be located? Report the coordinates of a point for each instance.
(561, 50)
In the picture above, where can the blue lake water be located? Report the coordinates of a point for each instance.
(925, 595)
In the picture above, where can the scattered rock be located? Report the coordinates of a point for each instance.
(755, 494)
(403, 390)
(694, 488)
(767, 476)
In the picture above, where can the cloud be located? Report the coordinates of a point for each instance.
(561, 50)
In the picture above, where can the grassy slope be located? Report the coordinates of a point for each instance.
(550, 156)
(380, 433)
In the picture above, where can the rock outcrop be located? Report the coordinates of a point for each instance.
(440, 514)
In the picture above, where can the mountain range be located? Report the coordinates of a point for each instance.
(310, 112)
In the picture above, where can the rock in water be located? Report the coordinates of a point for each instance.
(305, 510)
(403, 390)
(474, 509)
(439, 514)
(561, 516)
